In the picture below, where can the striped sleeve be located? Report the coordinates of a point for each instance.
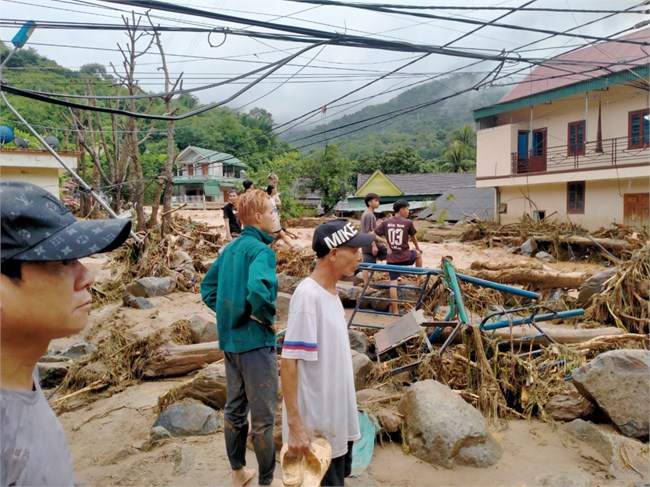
(301, 339)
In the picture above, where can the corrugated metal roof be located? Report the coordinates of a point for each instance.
(590, 68)
(586, 64)
(426, 183)
(576, 89)
(209, 155)
(462, 204)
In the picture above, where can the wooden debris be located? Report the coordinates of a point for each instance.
(172, 360)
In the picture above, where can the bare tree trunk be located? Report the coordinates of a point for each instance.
(165, 179)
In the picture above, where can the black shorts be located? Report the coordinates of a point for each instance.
(382, 253)
(394, 275)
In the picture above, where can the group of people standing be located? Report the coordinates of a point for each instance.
(45, 294)
(316, 368)
(394, 248)
(231, 218)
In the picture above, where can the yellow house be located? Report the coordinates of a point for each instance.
(418, 189)
(38, 167)
(572, 140)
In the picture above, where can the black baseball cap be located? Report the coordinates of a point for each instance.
(37, 227)
(338, 233)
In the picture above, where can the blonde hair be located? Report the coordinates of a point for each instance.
(249, 204)
(273, 176)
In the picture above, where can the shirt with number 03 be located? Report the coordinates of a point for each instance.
(397, 231)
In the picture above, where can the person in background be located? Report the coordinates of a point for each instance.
(377, 250)
(241, 288)
(317, 374)
(44, 294)
(230, 219)
(274, 181)
(272, 191)
(248, 185)
(398, 231)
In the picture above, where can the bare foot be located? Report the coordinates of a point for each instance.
(274, 483)
(242, 476)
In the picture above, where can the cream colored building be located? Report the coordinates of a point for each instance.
(572, 141)
(35, 166)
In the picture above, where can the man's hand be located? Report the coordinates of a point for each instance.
(273, 327)
(298, 441)
(375, 250)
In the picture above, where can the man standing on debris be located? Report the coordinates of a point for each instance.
(44, 294)
(377, 250)
(241, 287)
(317, 374)
(398, 230)
(231, 221)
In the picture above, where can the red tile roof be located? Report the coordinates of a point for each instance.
(589, 63)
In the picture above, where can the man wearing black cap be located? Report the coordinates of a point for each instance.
(44, 294)
(317, 375)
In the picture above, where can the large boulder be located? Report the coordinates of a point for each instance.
(617, 381)
(442, 429)
(188, 418)
(147, 287)
(348, 293)
(287, 283)
(202, 329)
(609, 445)
(52, 374)
(359, 341)
(362, 366)
(568, 405)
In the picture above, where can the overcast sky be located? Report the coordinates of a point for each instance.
(321, 74)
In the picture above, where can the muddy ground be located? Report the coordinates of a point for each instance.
(107, 433)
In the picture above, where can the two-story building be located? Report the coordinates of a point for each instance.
(572, 140)
(205, 177)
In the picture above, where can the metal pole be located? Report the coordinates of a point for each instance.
(462, 277)
(530, 319)
(81, 182)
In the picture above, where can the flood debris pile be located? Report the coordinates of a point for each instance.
(563, 240)
(119, 360)
(180, 255)
(625, 299)
(294, 262)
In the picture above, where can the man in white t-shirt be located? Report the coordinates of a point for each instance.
(317, 375)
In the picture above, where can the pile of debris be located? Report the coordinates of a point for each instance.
(562, 240)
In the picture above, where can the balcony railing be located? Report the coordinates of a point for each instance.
(608, 153)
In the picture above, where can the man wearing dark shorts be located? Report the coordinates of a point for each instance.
(377, 250)
(398, 230)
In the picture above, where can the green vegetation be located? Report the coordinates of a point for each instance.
(438, 137)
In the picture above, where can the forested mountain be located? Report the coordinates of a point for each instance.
(424, 130)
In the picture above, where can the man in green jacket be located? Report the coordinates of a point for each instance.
(241, 287)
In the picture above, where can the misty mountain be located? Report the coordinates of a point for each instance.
(420, 118)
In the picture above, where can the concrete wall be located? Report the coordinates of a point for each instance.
(603, 201)
(495, 145)
(37, 167)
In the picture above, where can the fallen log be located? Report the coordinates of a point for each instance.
(537, 278)
(608, 243)
(172, 360)
(558, 333)
(479, 265)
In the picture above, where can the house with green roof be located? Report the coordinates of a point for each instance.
(572, 139)
(205, 177)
